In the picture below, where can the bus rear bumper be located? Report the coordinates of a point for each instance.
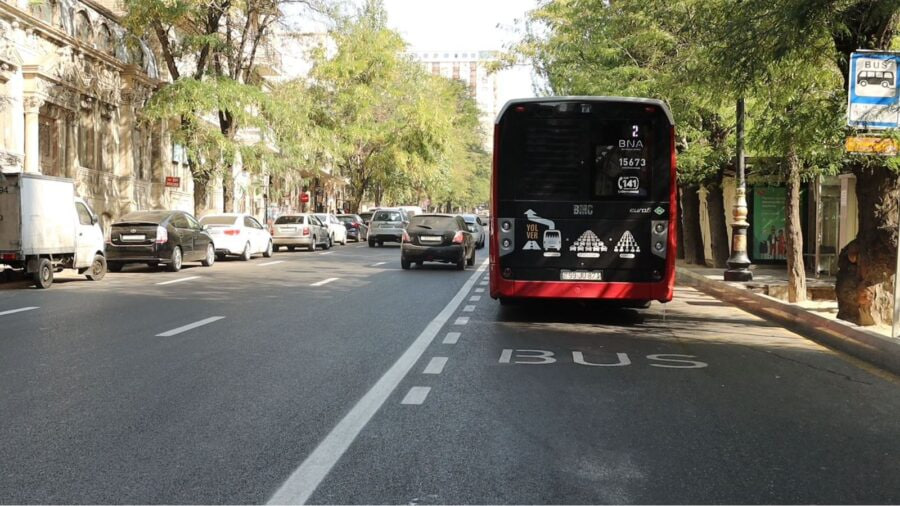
(511, 289)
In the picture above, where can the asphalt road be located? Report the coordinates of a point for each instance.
(336, 377)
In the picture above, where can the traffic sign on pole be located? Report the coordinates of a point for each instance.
(873, 102)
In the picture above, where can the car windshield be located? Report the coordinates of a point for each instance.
(387, 216)
(219, 220)
(290, 219)
(433, 222)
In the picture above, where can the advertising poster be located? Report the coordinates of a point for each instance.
(768, 223)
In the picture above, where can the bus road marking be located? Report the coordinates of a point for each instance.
(416, 396)
(452, 338)
(324, 281)
(190, 326)
(179, 280)
(435, 366)
(13, 311)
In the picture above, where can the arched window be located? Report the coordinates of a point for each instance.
(105, 41)
(45, 10)
(83, 30)
(136, 53)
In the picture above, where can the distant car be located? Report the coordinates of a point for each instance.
(335, 227)
(437, 238)
(356, 226)
(156, 238)
(387, 225)
(367, 217)
(238, 235)
(305, 230)
(476, 226)
(412, 210)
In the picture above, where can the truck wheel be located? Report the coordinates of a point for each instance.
(43, 278)
(175, 261)
(115, 266)
(98, 268)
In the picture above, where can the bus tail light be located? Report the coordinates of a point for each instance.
(659, 235)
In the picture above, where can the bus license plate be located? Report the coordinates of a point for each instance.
(581, 276)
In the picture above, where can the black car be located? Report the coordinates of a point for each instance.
(437, 238)
(357, 229)
(157, 238)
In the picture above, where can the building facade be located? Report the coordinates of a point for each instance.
(72, 87)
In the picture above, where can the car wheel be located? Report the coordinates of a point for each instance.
(312, 244)
(276, 249)
(371, 243)
(245, 255)
(471, 261)
(329, 242)
(98, 268)
(380, 244)
(405, 264)
(43, 278)
(268, 252)
(344, 242)
(211, 256)
(175, 261)
(115, 266)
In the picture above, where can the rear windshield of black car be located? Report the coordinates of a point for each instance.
(347, 219)
(145, 217)
(387, 216)
(282, 220)
(434, 222)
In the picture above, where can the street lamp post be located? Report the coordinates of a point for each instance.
(739, 262)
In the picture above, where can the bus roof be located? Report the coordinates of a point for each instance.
(537, 100)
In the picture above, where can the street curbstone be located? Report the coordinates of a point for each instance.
(847, 337)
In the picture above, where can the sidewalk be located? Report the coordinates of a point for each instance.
(815, 319)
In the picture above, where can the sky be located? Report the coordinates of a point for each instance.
(465, 25)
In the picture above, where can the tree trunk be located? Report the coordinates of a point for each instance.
(794, 234)
(228, 190)
(866, 265)
(679, 229)
(201, 191)
(718, 229)
(693, 237)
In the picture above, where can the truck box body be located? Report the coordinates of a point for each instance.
(37, 215)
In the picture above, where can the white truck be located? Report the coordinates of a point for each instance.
(45, 228)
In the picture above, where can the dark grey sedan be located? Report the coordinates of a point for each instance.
(157, 238)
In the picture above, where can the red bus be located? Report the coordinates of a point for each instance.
(583, 200)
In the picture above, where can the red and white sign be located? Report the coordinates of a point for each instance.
(304, 197)
(173, 182)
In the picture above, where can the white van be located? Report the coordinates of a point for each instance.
(45, 228)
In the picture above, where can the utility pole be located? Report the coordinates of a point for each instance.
(739, 262)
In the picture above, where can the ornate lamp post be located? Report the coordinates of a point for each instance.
(739, 262)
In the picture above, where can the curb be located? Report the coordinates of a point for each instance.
(846, 337)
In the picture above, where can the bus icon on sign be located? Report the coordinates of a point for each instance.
(875, 78)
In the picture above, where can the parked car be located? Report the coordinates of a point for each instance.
(305, 230)
(437, 238)
(367, 217)
(335, 227)
(238, 235)
(476, 226)
(387, 225)
(45, 228)
(356, 226)
(158, 238)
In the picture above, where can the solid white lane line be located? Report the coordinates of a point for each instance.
(271, 263)
(479, 290)
(475, 298)
(435, 366)
(416, 395)
(469, 308)
(179, 280)
(12, 311)
(462, 320)
(328, 253)
(301, 484)
(190, 326)
(324, 282)
(378, 263)
(452, 338)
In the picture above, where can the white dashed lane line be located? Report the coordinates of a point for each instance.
(190, 326)
(479, 290)
(435, 366)
(179, 280)
(378, 263)
(451, 338)
(416, 395)
(462, 320)
(271, 263)
(324, 281)
(469, 308)
(475, 298)
(21, 309)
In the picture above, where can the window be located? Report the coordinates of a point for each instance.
(250, 222)
(48, 141)
(83, 31)
(105, 41)
(192, 222)
(45, 10)
(84, 216)
(387, 216)
(180, 221)
(433, 222)
(289, 220)
(86, 140)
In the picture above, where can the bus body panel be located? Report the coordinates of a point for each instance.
(582, 223)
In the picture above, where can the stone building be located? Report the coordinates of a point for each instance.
(72, 86)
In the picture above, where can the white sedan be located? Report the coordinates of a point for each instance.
(336, 227)
(238, 235)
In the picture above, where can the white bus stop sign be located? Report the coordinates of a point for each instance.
(873, 99)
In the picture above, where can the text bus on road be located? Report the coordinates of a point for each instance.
(583, 200)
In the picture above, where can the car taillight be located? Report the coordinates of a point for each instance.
(162, 235)
(232, 231)
(458, 238)
(305, 230)
(406, 237)
(8, 256)
(354, 225)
